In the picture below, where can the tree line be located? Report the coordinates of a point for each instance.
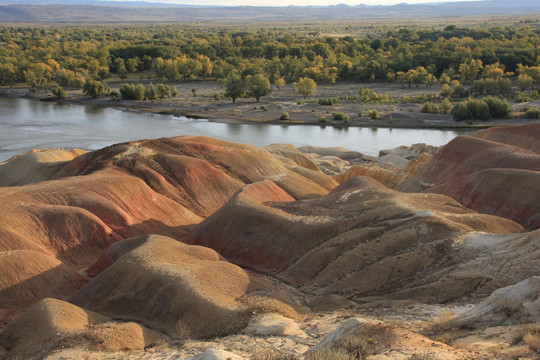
(70, 57)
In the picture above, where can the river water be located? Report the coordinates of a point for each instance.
(27, 124)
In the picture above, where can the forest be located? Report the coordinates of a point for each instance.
(467, 59)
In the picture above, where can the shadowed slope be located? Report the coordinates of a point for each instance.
(175, 288)
(53, 324)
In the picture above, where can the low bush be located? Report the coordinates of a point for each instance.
(430, 108)
(471, 109)
(532, 113)
(284, 116)
(498, 108)
(328, 101)
(340, 116)
(374, 114)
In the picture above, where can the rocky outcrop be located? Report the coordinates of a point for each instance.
(54, 324)
(361, 239)
(519, 303)
(485, 175)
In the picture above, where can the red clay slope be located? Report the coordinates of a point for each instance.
(487, 176)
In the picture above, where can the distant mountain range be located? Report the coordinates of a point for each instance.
(58, 11)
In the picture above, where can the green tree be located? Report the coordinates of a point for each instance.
(258, 86)
(234, 87)
(95, 88)
(150, 92)
(306, 87)
(58, 92)
(132, 64)
(162, 91)
(38, 76)
(139, 92)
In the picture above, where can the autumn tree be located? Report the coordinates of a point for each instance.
(8, 74)
(279, 83)
(524, 81)
(306, 87)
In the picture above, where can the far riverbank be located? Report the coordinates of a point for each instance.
(201, 103)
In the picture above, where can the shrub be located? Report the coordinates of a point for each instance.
(95, 88)
(374, 115)
(532, 113)
(461, 112)
(525, 96)
(360, 113)
(446, 106)
(327, 101)
(58, 92)
(429, 108)
(446, 90)
(284, 116)
(460, 92)
(330, 354)
(479, 109)
(471, 109)
(217, 96)
(498, 108)
(340, 116)
(264, 108)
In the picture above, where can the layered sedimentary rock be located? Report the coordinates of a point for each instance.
(486, 175)
(162, 186)
(362, 239)
(526, 137)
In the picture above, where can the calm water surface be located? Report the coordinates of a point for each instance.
(28, 124)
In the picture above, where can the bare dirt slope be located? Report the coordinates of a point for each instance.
(491, 176)
(362, 239)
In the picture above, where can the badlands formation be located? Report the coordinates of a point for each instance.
(191, 247)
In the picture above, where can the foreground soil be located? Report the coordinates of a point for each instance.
(167, 248)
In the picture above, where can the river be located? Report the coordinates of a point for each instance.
(27, 124)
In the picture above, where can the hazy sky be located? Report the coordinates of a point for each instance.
(294, 2)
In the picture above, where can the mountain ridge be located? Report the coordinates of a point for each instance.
(58, 11)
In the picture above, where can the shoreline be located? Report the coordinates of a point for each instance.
(250, 113)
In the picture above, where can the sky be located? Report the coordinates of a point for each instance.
(295, 2)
